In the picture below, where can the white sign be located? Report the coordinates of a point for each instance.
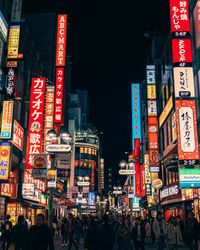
(187, 135)
(58, 148)
(154, 169)
(151, 77)
(28, 189)
(157, 183)
(173, 190)
(127, 171)
(63, 161)
(152, 108)
(51, 184)
(117, 192)
(83, 183)
(184, 82)
(147, 174)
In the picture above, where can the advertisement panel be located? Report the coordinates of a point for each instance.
(39, 184)
(7, 120)
(13, 41)
(152, 108)
(5, 158)
(3, 27)
(184, 82)
(59, 95)
(189, 177)
(36, 118)
(61, 40)
(28, 189)
(147, 173)
(187, 130)
(153, 140)
(136, 112)
(9, 190)
(52, 178)
(197, 24)
(151, 76)
(18, 136)
(179, 16)
(174, 129)
(152, 124)
(49, 107)
(167, 109)
(151, 91)
(10, 82)
(181, 51)
(138, 170)
(154, 160)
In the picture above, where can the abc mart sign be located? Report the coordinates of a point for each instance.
(127, 172)
(58, 148)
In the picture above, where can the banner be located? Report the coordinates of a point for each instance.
(13, 41)
(5, 159)
(36, 118)
(61, 40)
(187, 130)
(18, 136)
(59, 96)
(10, 82)
(189, 177)
(7, 120)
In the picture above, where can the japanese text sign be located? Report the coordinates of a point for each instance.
(61, 40)
(5, 154)
(136, 112)
(151, 76)
(184, 82)
(11, 81)
(58, 112)
(179, 16)
(36, 117)
(49, 107)
(181, 51)
(187, 130)
(7, 120)
(152, 107)
(9, 189)
(147, 173)
(151, 91)
(18, 135)
(13, 41)
(39, 184)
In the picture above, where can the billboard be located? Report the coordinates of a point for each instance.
(136, 112)
(13, 41)
(189, 177)
(187, 130)
(59, 95)
(36, 118)
(5, 159)
(181, 51)
(179, 16)
(18, 136)
(152, 108)
(7, 120)
(184, 82)
(61, 40)
(151, 91)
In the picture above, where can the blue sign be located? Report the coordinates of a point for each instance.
(3, 27)
(136, 112)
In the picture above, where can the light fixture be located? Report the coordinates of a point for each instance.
(65, 136)
(51, 133)
(131, 164)
(122, 164)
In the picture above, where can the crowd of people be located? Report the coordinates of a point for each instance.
(108, 232)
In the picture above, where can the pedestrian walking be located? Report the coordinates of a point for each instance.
(91, 239)
(64, 232)
(124, 235)
(191, 231)
(6, 228)
(148, 233)
(172, 233)
(71, 228)
(58, 226)
(160, 231)
(19, 233)
(39, 236)
(138, 235)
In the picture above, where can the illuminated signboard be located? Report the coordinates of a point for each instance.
(3, 27)
(10, 82)
(61, 40)
(184, 82)
(147, 173)
(187, 130)
(151, 91)
(166, 111)
(18, 135)
(49, 107)
(189, 177)
(151, 76)
(7, 120)
(154, 160)
(59, 95)
(39, 184)
(136, 112)
(152, 108)
(181, 51)
(13, 41)
(5, 153)
(179, 15)
(36, 117)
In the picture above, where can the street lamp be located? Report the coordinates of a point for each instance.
(55, 138)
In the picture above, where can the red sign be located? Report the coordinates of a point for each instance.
(61, 40)
(137, 167)
(18, 136)
(187, 130)
(58, 113)
(9, 189)
(181, 50)
(49, 107)
(39, 184)
(179, 16)
(153, 158)
(36, 117)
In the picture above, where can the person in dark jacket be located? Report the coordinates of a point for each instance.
(64, 232)
(6, 229)
(39, 236)
(91, 240)
(19, 233)
(138, 234)
(106, 235)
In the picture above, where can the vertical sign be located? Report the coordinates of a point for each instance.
(16, 11)
(3, 27)
(7, 120)
(13, 41)
(18, 136)
(59, 95)
(136, 112)
(137, 167)
(181, 51)
(5, 153)
(36, 117)
(187, 130)
(10, 82)
(49, 107)
(61, 40)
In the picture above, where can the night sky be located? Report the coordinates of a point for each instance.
(109, 51)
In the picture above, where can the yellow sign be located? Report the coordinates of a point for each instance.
(173, 124)
(166, 111)
(151, 91)
(7, 120)
(13, 41)
(5, 148)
